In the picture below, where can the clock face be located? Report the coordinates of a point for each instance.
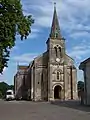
(57, 59)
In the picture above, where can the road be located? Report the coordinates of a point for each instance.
(26, 110)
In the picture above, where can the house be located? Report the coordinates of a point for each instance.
(85, 66)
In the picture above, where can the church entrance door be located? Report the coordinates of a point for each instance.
(57, 92)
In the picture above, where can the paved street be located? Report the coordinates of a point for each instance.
(21, 110)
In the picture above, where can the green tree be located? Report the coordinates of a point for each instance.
(80, 88)
(12, 22)
(80, 85)
(3, 87)
(0, 94)
(11, 87)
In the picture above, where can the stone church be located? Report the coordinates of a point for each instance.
(50, 76)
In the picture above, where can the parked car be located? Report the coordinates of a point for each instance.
(10, 95)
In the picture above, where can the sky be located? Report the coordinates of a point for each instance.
(74, 20)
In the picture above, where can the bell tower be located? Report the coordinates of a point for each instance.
(56, 54)
(55, 42)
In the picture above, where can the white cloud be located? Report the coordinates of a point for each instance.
(80, 51)
(34, 30)
(25, 58)
(1, 78)
(34, 33)
(74, 15)
(77, 54)
(77, 34)
(15, 48)
(4, 69)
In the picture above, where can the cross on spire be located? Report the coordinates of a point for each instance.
(55, 29)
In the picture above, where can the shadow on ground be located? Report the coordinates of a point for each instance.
(72, 104)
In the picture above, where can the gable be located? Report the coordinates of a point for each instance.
(41, 60)
(68, 60)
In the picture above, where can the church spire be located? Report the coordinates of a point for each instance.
(55, 29)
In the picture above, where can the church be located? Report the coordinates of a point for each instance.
(51, 75)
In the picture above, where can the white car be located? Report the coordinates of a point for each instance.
(10, 95)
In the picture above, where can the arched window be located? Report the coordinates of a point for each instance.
(58, 74)
(60, 51)
(55, 51)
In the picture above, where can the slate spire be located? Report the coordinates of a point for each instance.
(55, 28)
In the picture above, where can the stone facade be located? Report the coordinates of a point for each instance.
(19, 81)
(51, 75)
(85, 66)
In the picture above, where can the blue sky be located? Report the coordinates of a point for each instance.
(74, 20)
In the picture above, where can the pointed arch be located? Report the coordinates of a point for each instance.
(59, 48)
(60, 51)
(56, 53)
(59, 70)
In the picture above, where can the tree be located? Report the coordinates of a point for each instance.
(12, 22)
(80, 88)
(11, 87)
(0, 94)
(80, 85)
(3, 87)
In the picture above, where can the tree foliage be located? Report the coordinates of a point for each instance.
(12, 22)
(80, 85)
(4, 87)
(11, 87)
(80, 88)
(1, 94)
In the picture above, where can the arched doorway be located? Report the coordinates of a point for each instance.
(57, 92)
